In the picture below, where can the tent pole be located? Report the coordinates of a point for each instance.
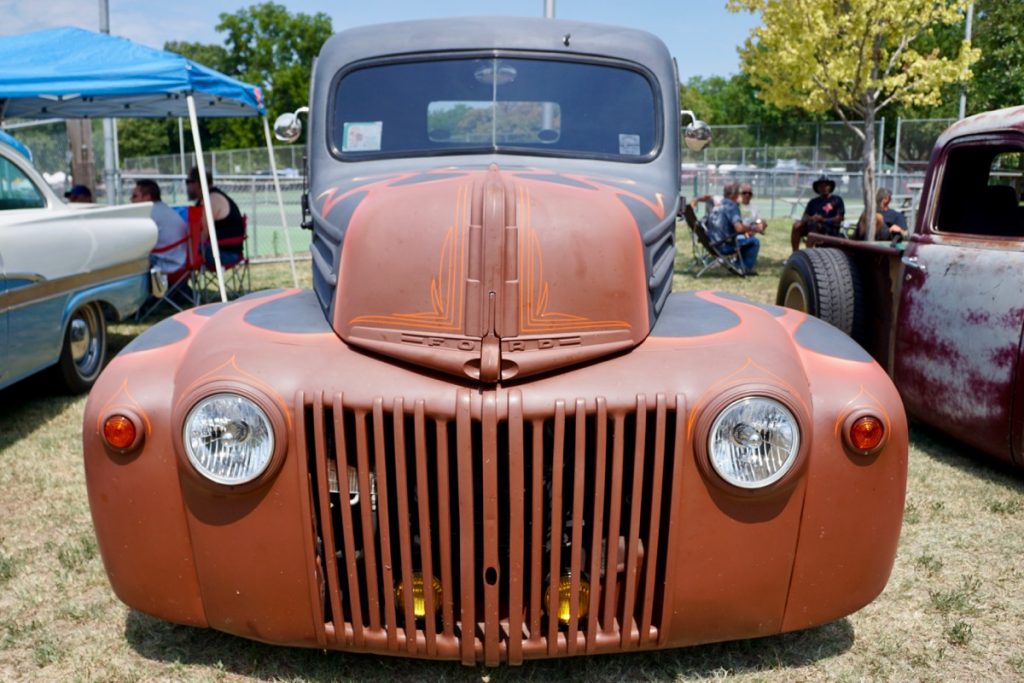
(280, 201)
(205, 187)
(181, 145)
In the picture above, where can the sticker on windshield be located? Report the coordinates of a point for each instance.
(629, 144)
(362, 137)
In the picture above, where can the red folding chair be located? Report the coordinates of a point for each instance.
(182, 285)
(237, 279)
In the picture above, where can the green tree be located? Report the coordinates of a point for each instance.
(998, 31)
(854, 57)
(270, 47)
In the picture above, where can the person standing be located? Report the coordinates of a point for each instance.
(170, 228)
(824, 213)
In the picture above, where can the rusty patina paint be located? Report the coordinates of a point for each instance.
(957, 340)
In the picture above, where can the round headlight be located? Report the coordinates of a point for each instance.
(228, 439)
(753, 442)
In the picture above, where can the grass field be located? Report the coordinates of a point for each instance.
(953, 609)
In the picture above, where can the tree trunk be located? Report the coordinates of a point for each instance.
(868, 157)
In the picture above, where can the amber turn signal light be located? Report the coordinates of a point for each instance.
(866, 433)
(119, 432)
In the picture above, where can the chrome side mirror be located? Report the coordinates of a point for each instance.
(288, 127)
(697, 134)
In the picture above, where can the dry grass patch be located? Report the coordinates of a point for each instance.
(953, 609)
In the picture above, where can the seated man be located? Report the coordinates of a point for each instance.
(751, 216)
(824, 213)
(170, 228)
(890, 224)
(227, 220)
(727, 220)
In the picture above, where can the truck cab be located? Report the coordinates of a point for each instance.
(941, 311)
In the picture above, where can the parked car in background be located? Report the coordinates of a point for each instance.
(491, 432)
(65, 272)
(941, 312)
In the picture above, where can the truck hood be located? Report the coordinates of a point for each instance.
(492, 274)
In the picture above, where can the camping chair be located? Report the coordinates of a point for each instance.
(712, 256)
(182, 285)
(237, 279)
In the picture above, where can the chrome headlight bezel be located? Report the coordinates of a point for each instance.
(714, 417)
(270, 417)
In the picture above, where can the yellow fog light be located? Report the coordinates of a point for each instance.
(419, 602)
(565, 598)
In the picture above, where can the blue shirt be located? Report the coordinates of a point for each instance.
(732, 212)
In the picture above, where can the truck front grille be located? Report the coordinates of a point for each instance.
(494, 505)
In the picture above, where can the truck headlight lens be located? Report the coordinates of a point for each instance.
(753, 442)
(228, 439)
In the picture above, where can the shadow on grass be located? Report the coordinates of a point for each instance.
(943, 448)
(29, 405)
(160, 641)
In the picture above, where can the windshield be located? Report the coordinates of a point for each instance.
(459, 106)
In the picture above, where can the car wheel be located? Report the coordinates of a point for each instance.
(824, 283)
(85, 348)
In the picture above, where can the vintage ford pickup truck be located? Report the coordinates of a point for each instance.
(491, 432)
(65, 271)
(942, 311)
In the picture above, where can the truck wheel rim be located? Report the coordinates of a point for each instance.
(796, 298)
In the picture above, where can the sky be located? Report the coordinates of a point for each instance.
(701, 34)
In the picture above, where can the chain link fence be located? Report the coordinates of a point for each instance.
(780, 162)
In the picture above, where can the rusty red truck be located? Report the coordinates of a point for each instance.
(942, 311)
(491, 432)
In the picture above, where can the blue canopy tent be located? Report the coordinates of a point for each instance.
(74, 73)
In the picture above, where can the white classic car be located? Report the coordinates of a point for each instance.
(65, 271)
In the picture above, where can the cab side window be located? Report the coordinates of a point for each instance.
(17, 191)
(981, 191)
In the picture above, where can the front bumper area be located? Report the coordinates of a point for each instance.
(592, 473)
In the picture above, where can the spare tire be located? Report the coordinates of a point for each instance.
(824, 282)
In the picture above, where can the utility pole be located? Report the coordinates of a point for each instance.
(967, 36)
(109, 132)
(548, 111)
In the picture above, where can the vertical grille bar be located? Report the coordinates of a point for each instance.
(299, 444)
(657, 483)
(327, 529)
(633, 543)
(366, 512)
(383, 519)
(575, 560)
(491, 530)
(426, 537)
(348, 529)
(516, 492)
(537, 528)
(601, 450)
(678, 449)
(445, 531)
(555, 545)
(612, 537)
(464, 445)
(403, 522)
